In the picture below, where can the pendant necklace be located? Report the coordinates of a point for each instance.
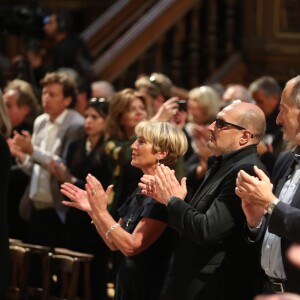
(129, 220)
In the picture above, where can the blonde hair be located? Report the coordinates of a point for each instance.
(5, 126)
(164, 137)
(157, 84)
(208, 99)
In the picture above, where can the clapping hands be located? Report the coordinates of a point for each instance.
(163, 185)
(92, 200)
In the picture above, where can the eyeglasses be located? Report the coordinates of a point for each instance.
(221, 123)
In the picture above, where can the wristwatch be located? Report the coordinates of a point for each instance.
(271, 206)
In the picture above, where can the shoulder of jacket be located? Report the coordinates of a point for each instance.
(75, 117)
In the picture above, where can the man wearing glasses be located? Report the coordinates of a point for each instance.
(211, 259)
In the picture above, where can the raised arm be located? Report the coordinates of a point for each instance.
(145, 234)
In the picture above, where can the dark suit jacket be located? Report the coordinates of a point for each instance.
(285, 219)
(5, 164)
(211, 260)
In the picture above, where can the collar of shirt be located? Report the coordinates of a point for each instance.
(59, 119)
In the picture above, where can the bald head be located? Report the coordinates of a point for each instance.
(249, 116)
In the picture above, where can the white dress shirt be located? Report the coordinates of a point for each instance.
(271, 258)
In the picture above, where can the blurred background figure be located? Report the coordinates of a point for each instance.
(54, 130)
(66, 49)
(84, 94)
(266, 92)
(21, 104)
(180, 117)
(31, 66)
(5, 164)
(102, 89)
(203, 107)
(85, 156)
(22, 109)
(156, 89)
(236, 92)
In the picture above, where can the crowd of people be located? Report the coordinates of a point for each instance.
(197, 198)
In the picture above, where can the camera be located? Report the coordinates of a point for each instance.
(182, 105)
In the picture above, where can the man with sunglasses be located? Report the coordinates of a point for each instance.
(211, 259)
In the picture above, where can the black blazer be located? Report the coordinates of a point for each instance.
(211, 258)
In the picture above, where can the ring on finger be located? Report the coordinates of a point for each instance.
(93, 192)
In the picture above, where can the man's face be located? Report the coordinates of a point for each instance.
(53, 100)
(225, 139)
(288, 116)
(266, 103)
(16, 113)
(50, 26)
(153, 103)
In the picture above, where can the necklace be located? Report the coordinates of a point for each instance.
(137, 204)
(129, 221)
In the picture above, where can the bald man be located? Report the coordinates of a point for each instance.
(211, 259)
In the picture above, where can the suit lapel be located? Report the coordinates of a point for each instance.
(211, 180)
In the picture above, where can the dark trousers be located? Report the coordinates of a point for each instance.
(45, 228)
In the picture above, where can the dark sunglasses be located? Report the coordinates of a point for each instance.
(221, 123)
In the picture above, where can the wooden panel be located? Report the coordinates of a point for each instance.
(273, 47)
(286, 19)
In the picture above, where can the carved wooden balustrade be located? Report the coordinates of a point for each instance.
(187, 40)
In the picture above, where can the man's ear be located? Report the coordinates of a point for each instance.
(68, 101)
(247, 135)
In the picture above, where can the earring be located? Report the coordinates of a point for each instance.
(158, 163)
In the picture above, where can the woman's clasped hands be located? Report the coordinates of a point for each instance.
(93, 199)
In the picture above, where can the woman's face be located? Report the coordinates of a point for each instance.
(143, 155)
(94, 123)
(135, 113)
